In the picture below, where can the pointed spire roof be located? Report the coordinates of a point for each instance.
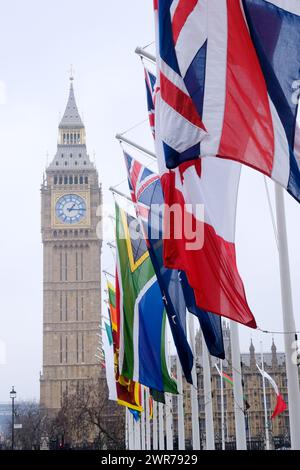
(71, 118)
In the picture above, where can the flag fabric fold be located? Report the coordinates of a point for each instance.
(146, 193)
(211, 183)
(124, 391)
(232, 59)
(142, 356)
(280, 406)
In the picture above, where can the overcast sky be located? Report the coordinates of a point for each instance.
(39, 40)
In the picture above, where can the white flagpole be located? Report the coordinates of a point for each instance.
(222, 407)
(148, 430)
(143, 427)
(130, 431)
(168, 407)
(240, 429)
(126, 429)
(137, 435)
(154, 427)
(180, 413)
(288, 321)
(209, 423)
(161, 434)
(265, 399)
(169, 421)
(194, 389)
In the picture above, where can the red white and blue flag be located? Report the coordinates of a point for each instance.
(188, 181)
(150, 81)
(230, 83)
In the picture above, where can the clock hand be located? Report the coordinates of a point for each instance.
(70, 208)
(76, 209)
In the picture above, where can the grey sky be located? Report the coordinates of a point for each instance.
(39, 41)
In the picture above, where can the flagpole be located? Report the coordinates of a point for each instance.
(265, 398)
(240, 430)
(142, 53)
(130, 431)
(288, 321)
(169, 419)
(126, 430)
(143, 427)
(121, 138)
(148, 431)
(137, 435)
(161, 434)
(194, 389)
(209, 423)
(169, 412)
(154, 427)
(222, 407)
(180, 413)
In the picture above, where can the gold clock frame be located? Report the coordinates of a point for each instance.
(57, 223)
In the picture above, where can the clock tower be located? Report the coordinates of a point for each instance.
(71, 208)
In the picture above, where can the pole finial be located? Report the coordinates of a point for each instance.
(71, 71)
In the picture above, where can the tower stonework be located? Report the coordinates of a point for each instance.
(70, 217)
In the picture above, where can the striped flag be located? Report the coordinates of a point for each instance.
(124, 391)
(146, 193)
(142, 356)
(280, 406)
(208, 259)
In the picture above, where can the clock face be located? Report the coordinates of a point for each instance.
(70, 208)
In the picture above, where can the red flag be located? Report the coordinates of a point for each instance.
(280, 406)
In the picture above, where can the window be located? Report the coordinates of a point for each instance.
(62, 155)
(66, 307)
(84, 162)
(66, 164)
(77, 306)
(77, 348)
(56, 163)
(71, 180)
(80, 155)
(71, 155)
(55, 178)
(60, 350)
(60, 307)
(81, 265)
(66, 351)
(66, 266)
(86, 180)
(81, 180)
(82, 347)
(60, 267)
(76, 266)
(66, 179)
(75, 163)
(76, 177)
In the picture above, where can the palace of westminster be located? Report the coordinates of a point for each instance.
(71, 195)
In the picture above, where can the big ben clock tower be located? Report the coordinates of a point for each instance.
(71, 202)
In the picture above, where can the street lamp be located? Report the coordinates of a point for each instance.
(12, 395)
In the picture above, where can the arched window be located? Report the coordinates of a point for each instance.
(65, 180)
(71, 138)
(55, 179)
(86, 180)
(71, 155)
(81, 180)
(76, 178)
(64, 138)
(71, 180)
(60, 180)
(78, 138)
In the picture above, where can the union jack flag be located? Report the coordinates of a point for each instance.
(150, 81)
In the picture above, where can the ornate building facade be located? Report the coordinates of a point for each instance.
(70, 216)
(274, 364)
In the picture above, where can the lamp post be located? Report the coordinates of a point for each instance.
(13, 395)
